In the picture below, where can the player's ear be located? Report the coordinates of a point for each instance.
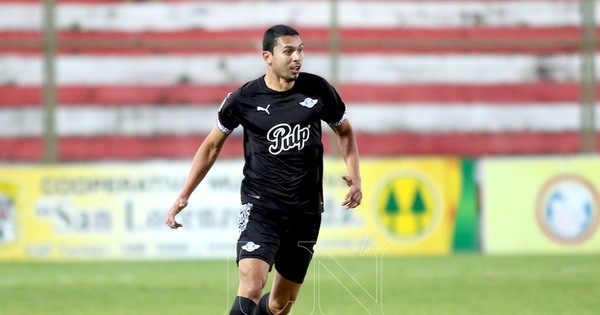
(268, 57)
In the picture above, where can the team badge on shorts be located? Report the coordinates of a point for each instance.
(250, 247)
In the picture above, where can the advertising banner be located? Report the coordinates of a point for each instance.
(409, 207)
(540, 205)
(117, 210)
(466, 237)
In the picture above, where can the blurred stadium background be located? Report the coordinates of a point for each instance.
(468, 78)
(476, 121)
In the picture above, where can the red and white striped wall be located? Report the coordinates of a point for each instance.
(452, 77)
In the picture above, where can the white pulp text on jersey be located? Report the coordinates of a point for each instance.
(285, 138)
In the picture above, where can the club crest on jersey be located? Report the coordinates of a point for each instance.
(285, 137)
(309, 102)
(250, 247)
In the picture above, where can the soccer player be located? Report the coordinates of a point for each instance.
(282, 189)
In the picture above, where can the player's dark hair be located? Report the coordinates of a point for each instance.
(274, 32)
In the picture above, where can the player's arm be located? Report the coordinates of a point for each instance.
(349, 151)
(203, 160)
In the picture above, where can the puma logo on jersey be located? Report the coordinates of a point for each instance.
(309, 102)
(285, 138)
(263, 109)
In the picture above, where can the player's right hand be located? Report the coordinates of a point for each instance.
(177, 206)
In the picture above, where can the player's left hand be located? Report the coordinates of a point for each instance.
(177, 206)
(354, 196)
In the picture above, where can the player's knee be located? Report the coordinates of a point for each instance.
(251, 293)
(251, 288)
(281, 307)
(251, 285)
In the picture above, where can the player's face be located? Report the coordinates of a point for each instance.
(287, 57)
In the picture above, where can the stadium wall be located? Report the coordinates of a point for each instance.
(445, 97)
(451, 78)
(117, 210)
(411, 206)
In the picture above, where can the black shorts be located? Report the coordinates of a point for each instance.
(286, 241)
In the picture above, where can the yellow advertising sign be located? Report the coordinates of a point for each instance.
(117, 211)
(409, 207)
(113, 211)
(541, 205)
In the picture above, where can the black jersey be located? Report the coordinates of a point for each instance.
(282, 140)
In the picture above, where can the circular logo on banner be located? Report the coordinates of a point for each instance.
(408, 206)
(567, 209)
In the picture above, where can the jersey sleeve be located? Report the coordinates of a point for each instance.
(227, 117)
(334, 109)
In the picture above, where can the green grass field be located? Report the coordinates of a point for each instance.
(458, 284)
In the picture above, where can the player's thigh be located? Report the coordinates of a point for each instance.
(253, 276)
(297, 247)
(259, 235)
